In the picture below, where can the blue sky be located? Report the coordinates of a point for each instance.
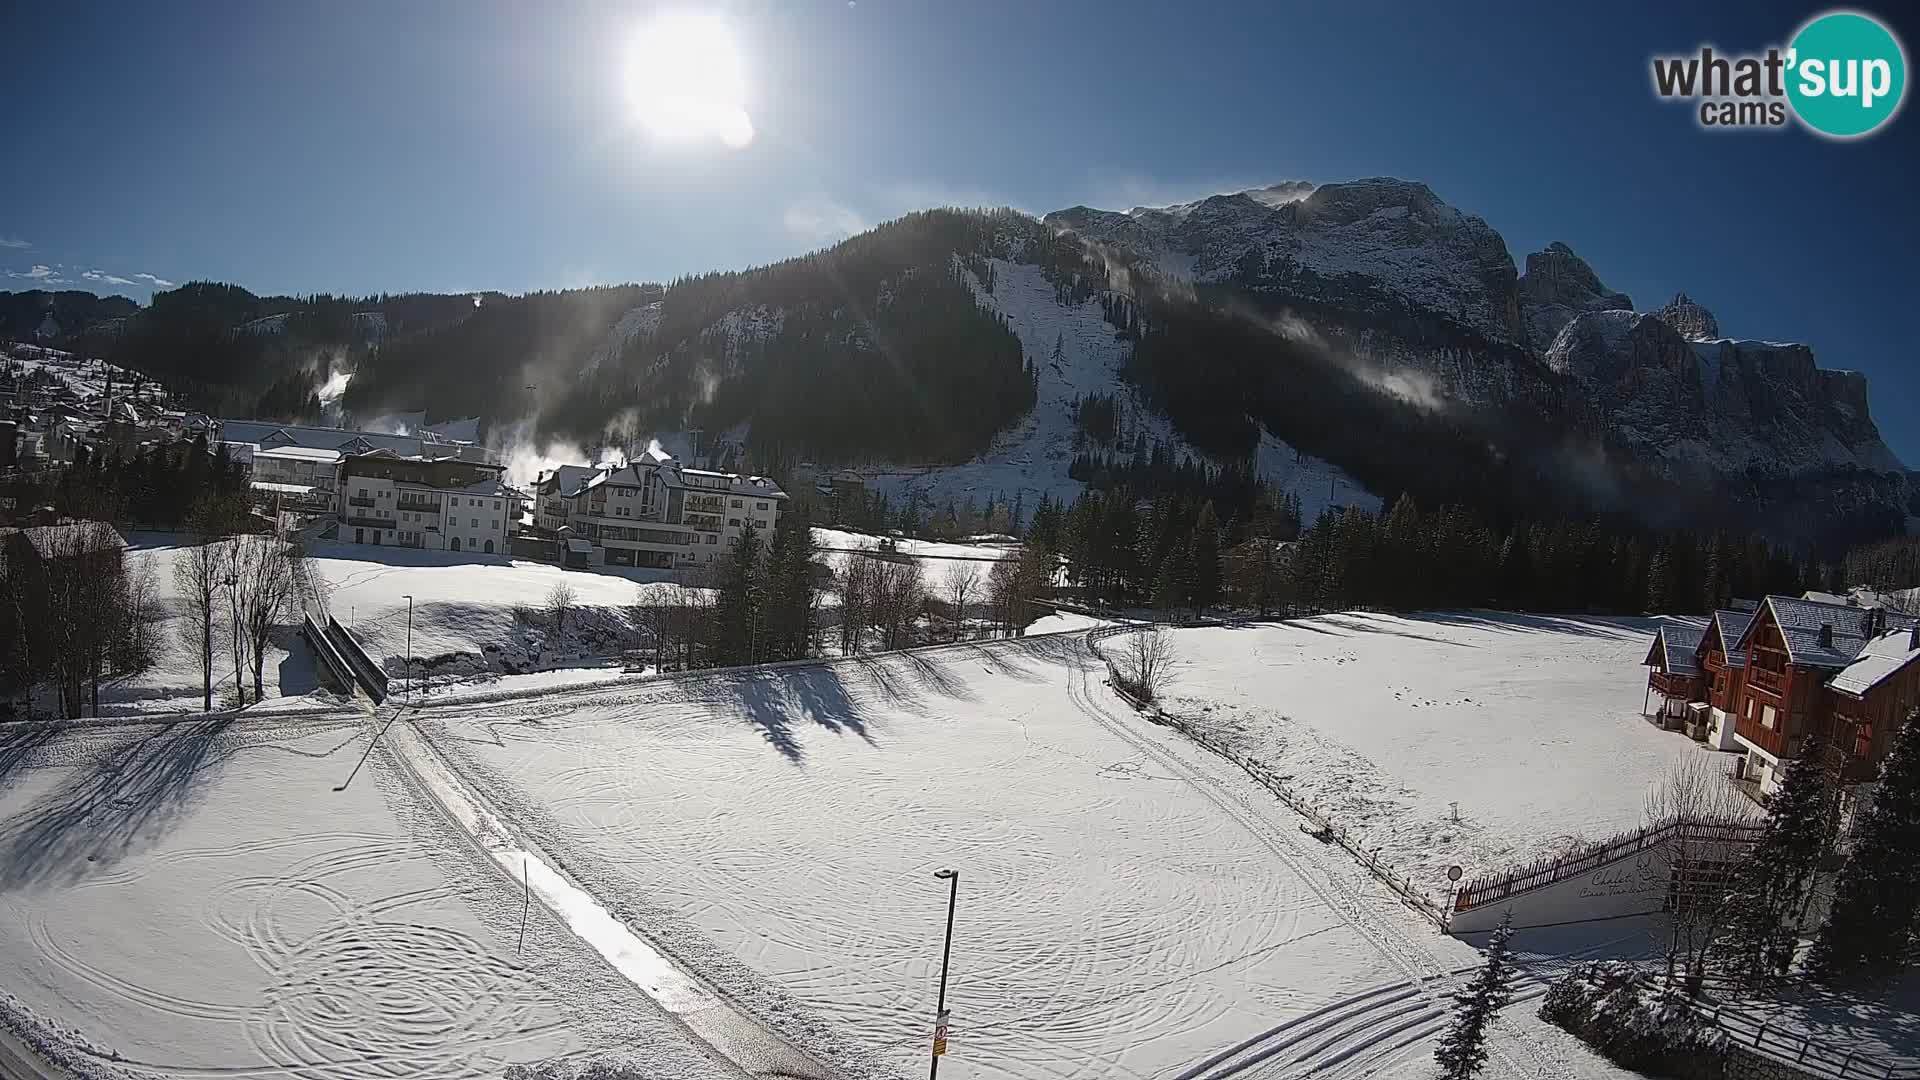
(363, 147)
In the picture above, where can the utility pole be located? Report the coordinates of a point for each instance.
(940, 1010)
(409, 667)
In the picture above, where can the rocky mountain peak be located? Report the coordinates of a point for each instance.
(1693, 322)
(1557, 286)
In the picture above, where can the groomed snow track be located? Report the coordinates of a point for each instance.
(1422, 999)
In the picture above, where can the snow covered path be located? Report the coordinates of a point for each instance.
(738, 1038)
(1130, 906)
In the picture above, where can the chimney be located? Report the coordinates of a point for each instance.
(1826, 635)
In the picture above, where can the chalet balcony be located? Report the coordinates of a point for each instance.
(1772, 682)
(1715, 663)
(1668, 684)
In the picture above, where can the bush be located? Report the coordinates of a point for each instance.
(1610, 1007)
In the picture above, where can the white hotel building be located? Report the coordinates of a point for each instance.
(656, 512)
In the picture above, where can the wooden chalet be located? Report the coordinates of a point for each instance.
(1724, 669)
(1824, 675)
(1675, 674)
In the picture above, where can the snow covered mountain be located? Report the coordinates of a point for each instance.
(1414, 289)
(1368, 243)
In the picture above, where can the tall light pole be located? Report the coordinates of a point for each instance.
(409, 599)
(940, 1018)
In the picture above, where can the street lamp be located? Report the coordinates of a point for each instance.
(409, 669)
(940, 1018)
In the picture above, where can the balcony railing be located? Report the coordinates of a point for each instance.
(1672, 685)
(1773, 682)
(369, 522)
(431, 507)
(360, 500)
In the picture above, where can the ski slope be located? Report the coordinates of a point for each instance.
(1531, 724)
(196, 900)
(1127, 908)
(1031, 459)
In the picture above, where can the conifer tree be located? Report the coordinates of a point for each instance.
(738, 609)
(1204, 551)
(1869, 927)
(1762, 933)
(1463, 1049)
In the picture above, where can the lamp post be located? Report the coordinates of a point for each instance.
(940, 1010)
(409, 599)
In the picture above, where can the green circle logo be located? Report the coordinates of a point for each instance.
(1846, 74)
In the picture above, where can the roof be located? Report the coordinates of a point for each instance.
(1880, 659)
(1675, 644)
(267, 433)
(1726, 629)
(568, 479)
(575, 543)
(1801, 623)
(298, 453)
(49, 540)
(281, 489)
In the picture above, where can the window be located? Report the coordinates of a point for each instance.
(735, 522)
(473, 523)
(496, 504)
(736, 504)
(1767, 716)
(711, 537)
(759, 506)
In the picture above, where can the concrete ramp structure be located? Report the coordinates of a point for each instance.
(1636, 873)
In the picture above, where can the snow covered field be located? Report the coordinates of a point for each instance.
(1127, 907)
(1530, 723)
(195, 900)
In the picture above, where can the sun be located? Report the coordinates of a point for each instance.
(686, 79)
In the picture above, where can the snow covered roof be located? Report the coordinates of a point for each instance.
(1822, 635)
(267, 433)
(1673, 648)
(281, 489)
(297, 453)
(1725, 630)
(1883, 656)
(570, 480)
(50, 541)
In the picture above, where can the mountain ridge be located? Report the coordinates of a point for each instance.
(1367, 289)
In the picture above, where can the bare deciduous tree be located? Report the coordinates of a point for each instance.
(560, 601)
(899, 597)
(963, 587)
(265, 591)
(199, 573)
(1146, 664)
(1699, 799)
(857, 581)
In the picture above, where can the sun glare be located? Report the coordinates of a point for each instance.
(686, 79)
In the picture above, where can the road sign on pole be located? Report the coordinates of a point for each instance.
(940, 1035)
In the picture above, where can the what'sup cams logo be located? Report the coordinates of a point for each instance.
(1843, 75)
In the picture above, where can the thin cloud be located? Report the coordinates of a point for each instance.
(41, 273)
(822, 220)
(14, 242)
(104, 278)
(156, 282)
